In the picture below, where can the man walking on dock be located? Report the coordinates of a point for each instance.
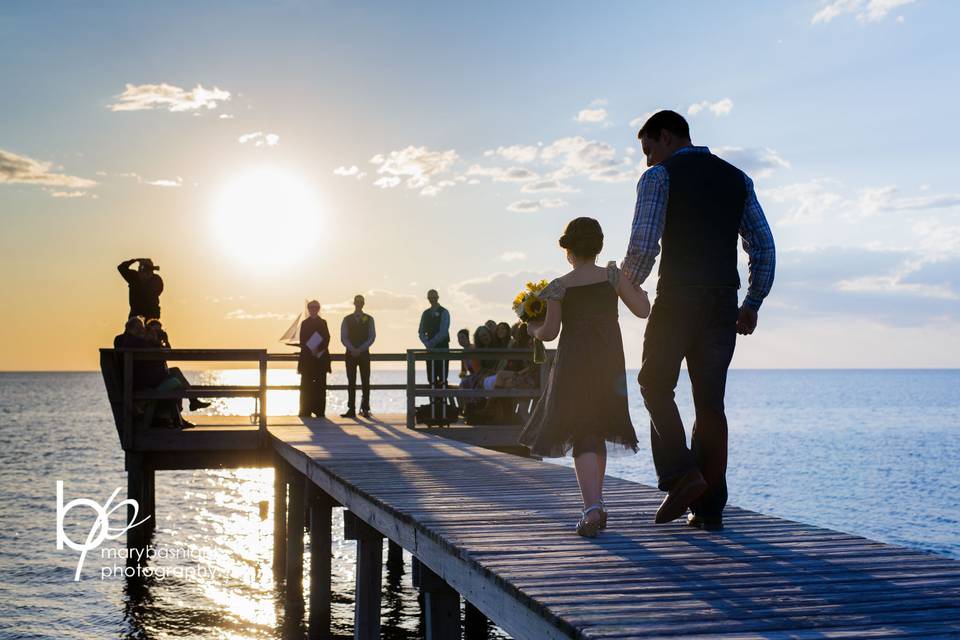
(696, 206)
(145, 287)
(357, 333)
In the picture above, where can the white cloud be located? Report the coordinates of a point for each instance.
(352, 170)
(640, 120)
(260, 139)
(501, 174)
(579, 156)
(530, 206)
(17, 169)
(73, 194)
(721, 107)
(865, 10)
(547, 185)
(240, 314)
(177, 182)
(226, 116)
(512, 256)
(139, 97)
(755, 162)
(592, 115)
(807, 201)
(416, 167)
(515, 153)
(387, 182)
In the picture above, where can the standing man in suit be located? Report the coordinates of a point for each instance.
(145, 287)
(357, 333)
(696, 207)
(314, 363)
(434, 333)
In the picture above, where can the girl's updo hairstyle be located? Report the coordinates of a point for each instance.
(583, 237)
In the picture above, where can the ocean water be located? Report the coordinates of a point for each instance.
(874, 453)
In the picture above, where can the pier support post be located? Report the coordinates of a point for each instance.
(295, 517)
(279, 518)
(366, 613)
(321, 541)
(394, 559)
(476, 626)
(149, 506)
(441, 605)
(136, 536)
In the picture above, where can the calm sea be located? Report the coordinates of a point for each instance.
(869, 452)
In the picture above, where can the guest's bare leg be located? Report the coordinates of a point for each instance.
(601, 468)
(586, 466)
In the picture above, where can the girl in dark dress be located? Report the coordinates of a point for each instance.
(584, 404)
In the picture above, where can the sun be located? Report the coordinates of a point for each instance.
(266, 218)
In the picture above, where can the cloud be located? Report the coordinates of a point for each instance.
(416, 167)
(547, 185)
(226, 116)
(500, 174)
(497, 288)
(592, 115)
(240, 314)
(640, 120)
(177, 182)
(352, 170)
(73, 194)
(17, 169)
(377, 300)
(512, 256)
(529, 206)
(387, 182)
(260, 139)
(807, 201)
(141, 97)
(721, 107)
(514, 153)
(755, 162)
(578, 156)
(865, 10)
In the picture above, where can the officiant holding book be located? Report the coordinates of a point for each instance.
(314, 363)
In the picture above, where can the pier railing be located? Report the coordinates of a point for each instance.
(118, 365)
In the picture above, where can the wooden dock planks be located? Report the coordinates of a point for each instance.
(499, 529)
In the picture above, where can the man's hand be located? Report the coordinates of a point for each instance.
(746, 321)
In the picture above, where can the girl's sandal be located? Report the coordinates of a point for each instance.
(585, 527)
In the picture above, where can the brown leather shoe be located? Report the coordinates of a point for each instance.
(706, 523)
(688, 488)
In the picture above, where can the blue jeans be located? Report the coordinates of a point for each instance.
(697, 324)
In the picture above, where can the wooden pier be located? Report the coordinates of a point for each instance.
(496, 530)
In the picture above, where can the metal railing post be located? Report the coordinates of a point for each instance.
(263, 399)
(411, 389)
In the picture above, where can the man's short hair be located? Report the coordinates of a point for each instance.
(434, 292)
(313, 303)
(358, 297)
(665, 120)
(133, 322)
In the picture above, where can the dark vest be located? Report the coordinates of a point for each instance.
(358, 332)
(432, 319)
(702, 227)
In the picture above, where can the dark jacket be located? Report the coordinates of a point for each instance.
(144, 292)
(307, 362)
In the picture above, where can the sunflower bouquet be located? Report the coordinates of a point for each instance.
(530, 307)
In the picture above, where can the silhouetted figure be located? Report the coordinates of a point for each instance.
(697, 207)
(145, 287)
(154, 330)
(434, 333)
(314, 363)
(357, 333)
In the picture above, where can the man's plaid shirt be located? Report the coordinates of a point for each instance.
(650, 216)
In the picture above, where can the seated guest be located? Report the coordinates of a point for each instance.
(502, 335)
(134, 327)
(483, 339)
(491, 326)
(468, 365)
(154, 331)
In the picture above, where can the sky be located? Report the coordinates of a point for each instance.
(262, 155)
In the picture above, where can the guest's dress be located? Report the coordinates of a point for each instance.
(584, 404)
